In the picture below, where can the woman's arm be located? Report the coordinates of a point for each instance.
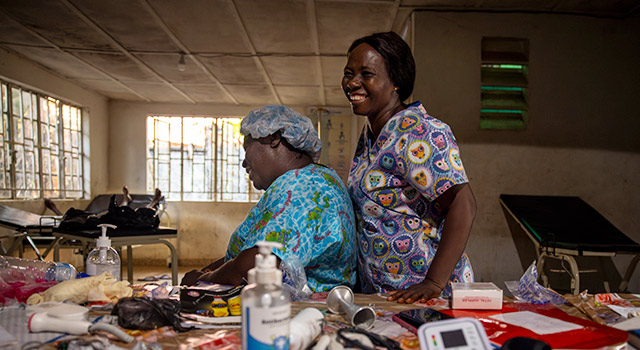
(214, 265)
(232, 272)
(459, 204)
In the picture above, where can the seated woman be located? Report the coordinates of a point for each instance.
(305, 207)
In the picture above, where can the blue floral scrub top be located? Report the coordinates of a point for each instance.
(394, 183)
(309, 211)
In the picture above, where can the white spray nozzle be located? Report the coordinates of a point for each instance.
(264, 247)
(266, 270)
(103, 240)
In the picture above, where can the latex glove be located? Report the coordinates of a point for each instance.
(104, 287)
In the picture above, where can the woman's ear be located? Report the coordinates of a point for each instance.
(276, 141)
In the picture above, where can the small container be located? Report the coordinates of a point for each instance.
(103, 257)
(266, 306)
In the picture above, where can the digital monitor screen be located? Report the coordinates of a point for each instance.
(453, 338)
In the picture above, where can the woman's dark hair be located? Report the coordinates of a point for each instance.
(397, 57)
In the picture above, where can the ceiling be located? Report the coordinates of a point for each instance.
(242, 52)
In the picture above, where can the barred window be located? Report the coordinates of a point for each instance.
(40, 146)
(197, 159)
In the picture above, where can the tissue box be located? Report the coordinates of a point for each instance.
(476, 295)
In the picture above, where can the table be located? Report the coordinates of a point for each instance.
(120, 238)
(231, 338)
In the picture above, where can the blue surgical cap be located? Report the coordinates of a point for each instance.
(293, 126)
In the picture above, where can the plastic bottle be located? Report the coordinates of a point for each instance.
(47, 270)
(103, 258)
(266, 307)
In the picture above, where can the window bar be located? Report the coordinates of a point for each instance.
(39, 133)
(181, 158)
(62, 174)
(216, 157)
(12, 154)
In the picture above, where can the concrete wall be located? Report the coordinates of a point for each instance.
(582, 136)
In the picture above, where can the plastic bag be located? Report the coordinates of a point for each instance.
(146, 313)
(529, 290)
(294, 279)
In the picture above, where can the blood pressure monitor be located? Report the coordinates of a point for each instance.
(456, 333)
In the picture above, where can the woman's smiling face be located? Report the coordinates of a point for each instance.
(367, 83)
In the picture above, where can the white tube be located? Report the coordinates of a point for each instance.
(305, 327)
(113, 330)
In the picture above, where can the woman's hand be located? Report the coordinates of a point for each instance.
(191, 277)
(421, 292)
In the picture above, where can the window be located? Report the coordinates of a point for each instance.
(40, 146)
(504, 90)
(197, 159)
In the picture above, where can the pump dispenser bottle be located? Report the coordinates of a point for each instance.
(266, 307)
(103, 258)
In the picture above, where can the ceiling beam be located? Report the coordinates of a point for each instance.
(122, 49)
(81, 60)
(394, 14)
(159, 21)
(252, 49)
(312, 19)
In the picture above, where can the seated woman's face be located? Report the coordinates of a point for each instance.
(261, 161)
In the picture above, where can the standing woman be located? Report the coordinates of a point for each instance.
(412, 199)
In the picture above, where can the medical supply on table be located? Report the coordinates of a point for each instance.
(305, 327)
(101, 288)
(266, 307)
(529, 290)
(46, 270)
(459, 333)
(68, 318)
(214, 300)
(476, 295)
(340, 301)
(414, 318)
(294, 279)
(103, 257)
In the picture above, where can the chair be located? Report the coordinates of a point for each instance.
(564, 228)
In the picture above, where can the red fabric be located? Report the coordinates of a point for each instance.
(591, 336)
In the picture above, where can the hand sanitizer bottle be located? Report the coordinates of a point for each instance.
(266, 308)
(103, 258)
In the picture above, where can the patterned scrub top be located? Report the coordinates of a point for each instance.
(393, 184)
(309, 212)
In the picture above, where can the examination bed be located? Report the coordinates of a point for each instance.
(563, 228)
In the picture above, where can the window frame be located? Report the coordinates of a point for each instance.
(215, 160)
(504, 83)
(43, 183)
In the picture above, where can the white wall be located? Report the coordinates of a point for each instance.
(582, 137)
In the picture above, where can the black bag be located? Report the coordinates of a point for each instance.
(146, 313)
(123, 217)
